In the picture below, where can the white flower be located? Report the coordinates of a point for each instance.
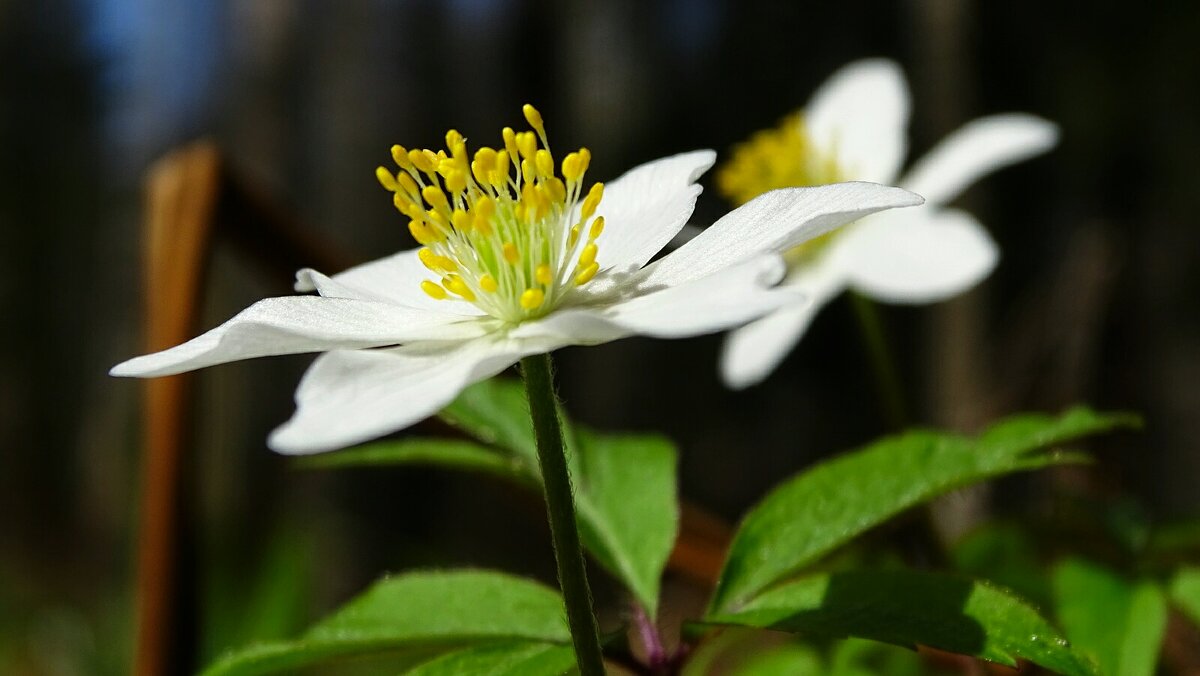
(527, 264)
(854, 129)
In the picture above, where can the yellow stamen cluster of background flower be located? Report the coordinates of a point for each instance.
(494, 226)
(782, 157)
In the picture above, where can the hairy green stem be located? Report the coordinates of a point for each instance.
(560, 506)
(887, 379)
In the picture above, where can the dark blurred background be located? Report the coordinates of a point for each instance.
(1094, 300)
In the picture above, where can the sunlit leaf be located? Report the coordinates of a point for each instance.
(1119, 623)
(502, 659)
(449, 453)
(910, 608)
(819, 510)
(628, 511)
(1185, 592)
(419, 614)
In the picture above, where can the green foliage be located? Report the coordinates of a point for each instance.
(1185, 592)
(625, 495)
(450, 453)
(908, 608)
(821, 509)
(1120, 624)
(513, 658)
(1007, 555)
(416, 616)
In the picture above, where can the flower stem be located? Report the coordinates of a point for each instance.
(560, 506)
(882, 363)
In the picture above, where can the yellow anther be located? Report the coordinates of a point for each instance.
(453, 138)
(435, 291)
(555, 189)
(445, 166)
(570, 168)
(488, 283)
(456, 181)
(408, 207)
(435, 197)
(586, 274)
(500, 173)
(592, 200)
(585, 160)
(407, 183)
(426, 257)
(510, 141)
(455, 284)
(484, 207)
(422, 161)
(483, 225)
(527, 144)
(386, 179)
(400, 157)
(421, 232)
(596, 229)
(532, 298)
(511, 253)
(588, 255)
(573, 237)
(543, 274)
(484, 164)
(534, 118)
(437, 222)
(527, 171)
(461, 220)
(545, 162)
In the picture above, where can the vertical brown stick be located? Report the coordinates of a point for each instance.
(181, 197)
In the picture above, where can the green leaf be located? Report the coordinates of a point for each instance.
(908, 608)
(785, 660)
(417, 614)
(450, 453)
(1185, 592)
(502, 659)
(819, 510)
(1118, 623)
(628, 510)
(496, 412)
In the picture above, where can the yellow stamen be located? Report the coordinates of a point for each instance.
(587, 274)
(592, 200)
(588, 255)
(488, 283)
(534, 118)
(532, 299)
(455, 284)
(543, 274)
(511, 253)
(596, 229)
(400, 157)
(386, 179)
(433, 290)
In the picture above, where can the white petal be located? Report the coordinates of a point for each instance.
(860, 116)
(645, 208)
(921, 256)
(775, 221)
(394, 279)
(351, 396)
(978, 148)
(753, 351)
(726, 298)
(301, 324)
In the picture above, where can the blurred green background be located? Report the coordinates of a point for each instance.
(1095, 298)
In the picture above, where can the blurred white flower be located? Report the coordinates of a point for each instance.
(854, 128)
(515, 261)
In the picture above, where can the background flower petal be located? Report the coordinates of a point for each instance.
(976, 149)
(921, 256)
(292, 325)
(860, 115)
(350, 396)
(752, 352)
(775, 221)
